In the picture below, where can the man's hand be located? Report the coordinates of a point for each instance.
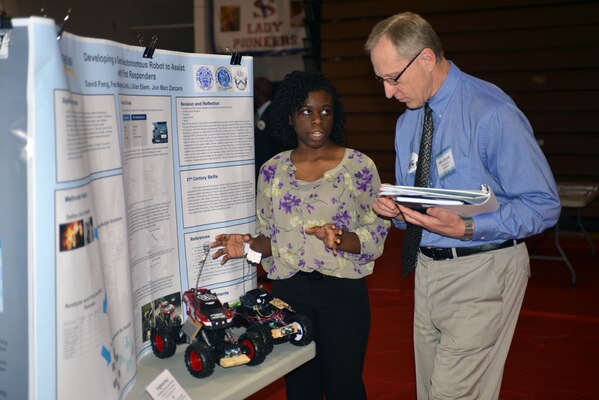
(437, 220)
(386, 207)
(329, 234)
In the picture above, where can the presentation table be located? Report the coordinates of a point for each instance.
(235, 383)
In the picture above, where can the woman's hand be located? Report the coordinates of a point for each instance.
(329, 234)
(231, 246)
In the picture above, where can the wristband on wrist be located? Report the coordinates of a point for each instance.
(251, 255)
(469, 230)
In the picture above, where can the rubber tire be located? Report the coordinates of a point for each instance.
(306, 330)
(199, 360)
(269, 342)
(252, 345)
(164, 342)
(239, 321)
(177, 321)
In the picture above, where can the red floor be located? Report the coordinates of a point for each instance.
(556, 340)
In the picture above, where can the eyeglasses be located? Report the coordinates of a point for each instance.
(395, 81)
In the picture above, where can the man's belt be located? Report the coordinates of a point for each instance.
(447, 253)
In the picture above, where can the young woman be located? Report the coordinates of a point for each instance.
(317, 234)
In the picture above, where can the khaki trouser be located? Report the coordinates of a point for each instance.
(465, 314)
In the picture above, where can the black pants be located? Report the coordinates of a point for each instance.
(340, 311)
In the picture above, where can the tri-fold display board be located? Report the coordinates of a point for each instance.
(115, 170)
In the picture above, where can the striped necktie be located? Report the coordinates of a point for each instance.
(413, 232)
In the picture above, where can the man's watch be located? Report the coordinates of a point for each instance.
(469, 231)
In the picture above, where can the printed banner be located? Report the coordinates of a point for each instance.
(258, 26)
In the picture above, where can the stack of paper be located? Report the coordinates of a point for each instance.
(463, 202)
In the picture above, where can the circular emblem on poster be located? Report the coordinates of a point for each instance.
(223, 77)
(241, 80)
(204, 78)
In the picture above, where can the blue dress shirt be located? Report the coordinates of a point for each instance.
(481, 137)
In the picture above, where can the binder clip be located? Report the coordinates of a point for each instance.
(149, 51)
(64, 21)
(5, 27)
(235, 56)
(5, 21)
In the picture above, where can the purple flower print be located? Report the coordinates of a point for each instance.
(363, 179)
(382, 231)
(288, 202)
(273, 230)
(342, 220)
(268, 172)
(365, 258)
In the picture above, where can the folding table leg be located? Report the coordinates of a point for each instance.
(584, 232)
(563, 255)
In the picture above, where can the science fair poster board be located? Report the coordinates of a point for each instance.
(116, 170)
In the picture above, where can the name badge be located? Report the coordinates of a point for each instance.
(413, 162)
(445, 163)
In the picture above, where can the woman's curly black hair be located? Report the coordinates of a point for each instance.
(291, 95)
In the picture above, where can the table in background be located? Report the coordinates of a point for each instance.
(234, 383)
(576, 196)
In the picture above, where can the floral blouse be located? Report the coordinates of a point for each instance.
(343, 196)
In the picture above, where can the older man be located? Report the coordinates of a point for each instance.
(460, 132)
